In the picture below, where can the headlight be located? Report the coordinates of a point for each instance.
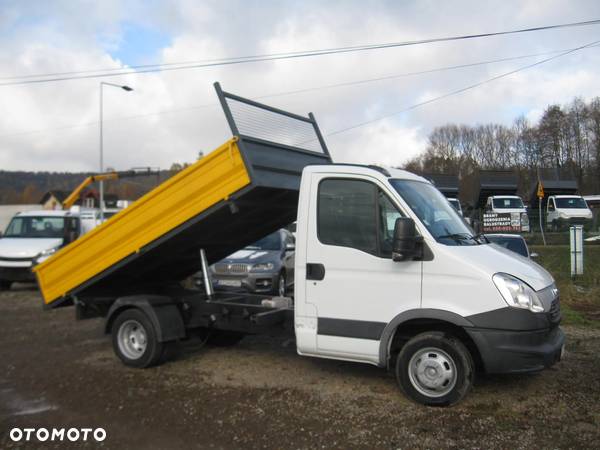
(562, 215)
(516, 293)
(48, 252)
(262, 267)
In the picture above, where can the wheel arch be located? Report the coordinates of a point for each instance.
(412, 322)
(161, 311)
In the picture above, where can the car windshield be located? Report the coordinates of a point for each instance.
(508, 203)
(515, 243)
(36, 227)
(571, 202)
(270, 242)
(434, 211)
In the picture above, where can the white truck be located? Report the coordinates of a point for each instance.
(565, 210)
(509, 205)
(32, 236)
(387, 273)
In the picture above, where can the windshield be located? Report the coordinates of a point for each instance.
(571, 202)
(36, 227)
(516, 243)
(508, 203)
(434, 211)
(270, 242)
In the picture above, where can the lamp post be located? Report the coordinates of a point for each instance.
(125, 88)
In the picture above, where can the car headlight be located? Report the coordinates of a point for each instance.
(48, 252)
(262, 267)
(562, 215)
(516, 293)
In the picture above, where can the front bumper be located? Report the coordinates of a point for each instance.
(509, 351)
(259, 282)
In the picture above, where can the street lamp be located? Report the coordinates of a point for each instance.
(125, 88)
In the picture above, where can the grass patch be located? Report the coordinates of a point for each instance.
(580, 297)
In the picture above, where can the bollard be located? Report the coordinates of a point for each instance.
(576, 250)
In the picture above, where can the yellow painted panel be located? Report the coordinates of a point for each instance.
(182, 197)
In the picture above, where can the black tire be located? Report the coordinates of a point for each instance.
(136, 321)
(451, 364)
(281, 280)
(5, 285)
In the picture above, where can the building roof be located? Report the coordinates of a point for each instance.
(57, 194)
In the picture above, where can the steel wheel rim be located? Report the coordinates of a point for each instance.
(432, 372)
(132, 339)
(281, 287)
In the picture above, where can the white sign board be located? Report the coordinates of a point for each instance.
(576, 250)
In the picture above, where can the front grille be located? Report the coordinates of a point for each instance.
(554, 312)
(231, 268)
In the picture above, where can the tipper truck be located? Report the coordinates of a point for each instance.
(386, 271)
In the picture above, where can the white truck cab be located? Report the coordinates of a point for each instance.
(394, 276)
(509, 204)
(565, 210)
(31, 237)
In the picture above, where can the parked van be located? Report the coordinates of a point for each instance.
(32, 236)
(565, 210)
(509, 204)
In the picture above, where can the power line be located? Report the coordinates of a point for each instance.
(304, 90)
(62, 76)
(458, 91)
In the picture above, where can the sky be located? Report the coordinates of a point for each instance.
(172, 116)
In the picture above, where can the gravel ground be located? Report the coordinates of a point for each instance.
(57, 372)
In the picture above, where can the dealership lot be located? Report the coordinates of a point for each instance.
(57, 372)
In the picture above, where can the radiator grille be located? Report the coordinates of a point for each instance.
(231, 268)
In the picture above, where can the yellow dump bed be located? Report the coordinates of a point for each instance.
(240, 192)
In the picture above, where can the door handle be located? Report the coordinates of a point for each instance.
(315, 271)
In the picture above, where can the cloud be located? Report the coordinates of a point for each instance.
(171, 116)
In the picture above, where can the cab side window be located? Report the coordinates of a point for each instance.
(356, 214)
(346, 214)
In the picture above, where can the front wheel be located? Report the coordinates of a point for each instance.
(435, 369)
(280, 288)
(135, 340)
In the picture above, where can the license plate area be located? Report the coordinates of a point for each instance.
(230, 283)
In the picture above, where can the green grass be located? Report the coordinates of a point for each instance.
(580, 297)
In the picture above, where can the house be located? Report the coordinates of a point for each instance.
(53, 199)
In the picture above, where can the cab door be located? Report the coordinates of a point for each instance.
(351, 280)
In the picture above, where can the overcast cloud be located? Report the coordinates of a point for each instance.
(54, 126)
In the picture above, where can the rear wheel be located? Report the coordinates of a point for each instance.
(135, 339)
(435, 369)
(5, 285)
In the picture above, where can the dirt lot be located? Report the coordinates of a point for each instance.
(56, 372)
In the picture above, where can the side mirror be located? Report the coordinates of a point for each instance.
(534, 255)
(405, 246)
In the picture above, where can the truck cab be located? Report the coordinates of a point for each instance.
(509, 205)
(564, 210)
(393, 277)
(31, 237)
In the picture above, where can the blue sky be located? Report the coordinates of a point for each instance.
(139, 44)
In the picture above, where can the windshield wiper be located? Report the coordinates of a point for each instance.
(458, 237)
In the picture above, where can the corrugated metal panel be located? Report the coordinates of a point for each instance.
(182, 197)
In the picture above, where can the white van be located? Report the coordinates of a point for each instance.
(32, 236)
(509, 204)
(564, 210)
